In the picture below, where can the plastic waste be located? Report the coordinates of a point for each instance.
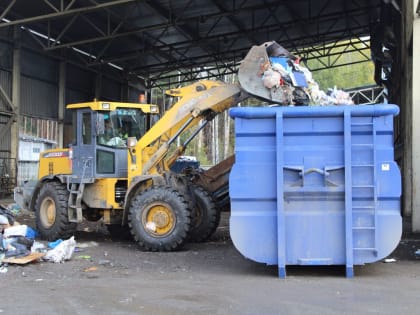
(8, 214)
(14, 209)
(3, 268)
(284, 76)
(31, 233)
(16, 249)
(62, 251)
(3, 220)
(38, 247)
(16, 230)
(54, 243)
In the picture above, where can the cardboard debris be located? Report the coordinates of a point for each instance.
(23, 260)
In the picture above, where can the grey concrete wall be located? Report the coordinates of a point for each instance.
(416, 121)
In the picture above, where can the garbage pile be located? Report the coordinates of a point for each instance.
(292, 83)
(18, 244)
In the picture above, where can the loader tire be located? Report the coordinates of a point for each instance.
(205, 215)
(51, 212)
(159, 219)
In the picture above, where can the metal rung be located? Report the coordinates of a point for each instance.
(370, 145)
(75, 214)
(364, 207)
(362, 124)
(365, 248)
(75, 203)
(363, 228)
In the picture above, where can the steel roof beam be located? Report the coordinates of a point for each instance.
(238, 24)
(10, 5)
(244, 50)
(189, 34)
(65, 12)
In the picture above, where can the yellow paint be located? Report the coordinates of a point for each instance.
(103, 105)
(196, 100)
(53, 162)
(101, 194)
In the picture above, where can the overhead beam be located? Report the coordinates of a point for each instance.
(64, 13)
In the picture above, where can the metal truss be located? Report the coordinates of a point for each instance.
(369, 95)
(181, 40)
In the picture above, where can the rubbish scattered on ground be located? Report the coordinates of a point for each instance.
(15, 230)
(8, 214)
(3, 268)
(390, 260)
(18, 245)
(23, 260)
(3, 220)
(14, 209)
(38, 247)
(62, 251)
(54, 243)
(104, 262)
(84, 257)
(90, 269)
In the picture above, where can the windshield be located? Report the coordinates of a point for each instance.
(114, 127)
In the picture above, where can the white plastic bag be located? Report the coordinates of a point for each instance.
(16, 230)
(62, 251)
(271, 79)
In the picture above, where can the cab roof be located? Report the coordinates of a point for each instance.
(109, 106)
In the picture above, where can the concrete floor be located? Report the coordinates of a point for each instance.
(111, 277)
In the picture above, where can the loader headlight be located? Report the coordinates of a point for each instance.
(154, 109)
(106, 106)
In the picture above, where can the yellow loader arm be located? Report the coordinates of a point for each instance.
(199, 102)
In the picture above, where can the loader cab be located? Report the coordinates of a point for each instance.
(101, 129)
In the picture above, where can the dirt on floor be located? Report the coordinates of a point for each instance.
(106, 276)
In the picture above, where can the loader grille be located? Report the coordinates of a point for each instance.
(120, 191)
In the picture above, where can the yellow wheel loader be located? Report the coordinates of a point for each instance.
(118, 166)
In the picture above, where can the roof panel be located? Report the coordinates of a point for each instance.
(152, 37)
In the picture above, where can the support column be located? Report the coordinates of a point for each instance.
(416, 120)
(98, 87)
(14, 132)
(125, 89)
(61, 102)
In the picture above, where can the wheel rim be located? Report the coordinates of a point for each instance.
(158, 220)
(47, 212)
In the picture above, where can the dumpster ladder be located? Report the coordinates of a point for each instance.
(360, 192)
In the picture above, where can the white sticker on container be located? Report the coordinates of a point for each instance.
(385, 167)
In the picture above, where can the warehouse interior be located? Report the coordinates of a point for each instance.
(57, 52)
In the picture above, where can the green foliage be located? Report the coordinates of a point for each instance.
(359, 73)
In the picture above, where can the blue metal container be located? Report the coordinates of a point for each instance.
(315, 185)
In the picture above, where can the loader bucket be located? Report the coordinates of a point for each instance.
(251, 71)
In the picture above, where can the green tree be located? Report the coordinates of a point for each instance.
(358, 72)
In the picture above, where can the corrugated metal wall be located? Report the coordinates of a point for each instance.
(39, 97)
(39, 85)
(6, 84)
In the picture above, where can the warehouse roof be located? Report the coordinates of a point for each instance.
(153, 39)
